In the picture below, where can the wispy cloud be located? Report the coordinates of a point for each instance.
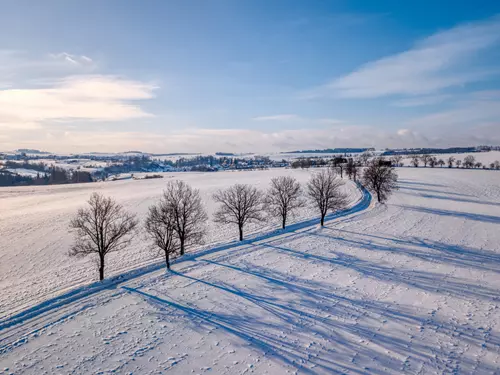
(297, 118)
(80, 60)
(49, 89)
(437, 62)
(472, 110)
(96, 97)
(284, 117)
(421, 100)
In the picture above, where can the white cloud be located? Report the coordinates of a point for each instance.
(96, 97)
(435, 63)
(285, 117)
(81, 60)
(297, 118)
(421, 101)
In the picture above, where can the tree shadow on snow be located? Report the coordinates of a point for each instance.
(462, 215)
(402, 187)
(312, 311)
(424, 280)
(420, 248)
(455, 199)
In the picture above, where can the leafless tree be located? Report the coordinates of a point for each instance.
(415, 160)
(351, 168)
(433, 161)
(101, 228)
(188, 212)
(469, 161)
(478, 164)
(397, 160)
(450, 161)
(496, 164)
(365, 157)
(283, 198)
(355, 170)
(458, 163)
(160, 229)
(325, 192)
(239, 204)
(441, 162)
(381, 179)
(425, 159)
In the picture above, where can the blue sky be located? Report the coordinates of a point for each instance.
(248, 75)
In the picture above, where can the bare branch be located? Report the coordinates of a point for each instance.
(381, 179)
(239, 204)
(101, 228)
(283, 198)
(325, 192)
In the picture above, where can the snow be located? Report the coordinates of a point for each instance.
(411, 287)
(484, 157)
(34, 264)
(25, 172)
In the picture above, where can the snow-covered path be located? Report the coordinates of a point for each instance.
(410, 287)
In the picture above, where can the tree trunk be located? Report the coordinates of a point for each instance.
(241, 232)
(167, 260)
(378, 196)
(182, 244)
(284, 222)
(322, 220)
(101, 269)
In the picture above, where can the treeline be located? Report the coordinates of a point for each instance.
(53, 175)
(451, 150)
(469, 162)
(177, 222)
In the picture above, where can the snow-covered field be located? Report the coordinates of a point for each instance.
(484, 157)
(24, 172)
(35, 240)
(409, 287)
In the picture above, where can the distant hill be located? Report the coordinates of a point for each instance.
(451, 150)
(31, 151)
(331, 151)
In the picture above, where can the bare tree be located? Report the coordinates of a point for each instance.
(469, 161)
(101, 228)
(365, 157)
(415, 160)
(496, 164)
(433, 161)
(397, 160)
(325, 192)
(381, 179)
(458, 163)
(478, 164)
(450, 161)
(355, 170)
(284, 197)
(188, 212)
(441, 162)
(350, 168)
(239, 204)
(160, 229)
(425, 159)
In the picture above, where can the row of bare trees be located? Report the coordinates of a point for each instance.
(178, 220)
(432, 161)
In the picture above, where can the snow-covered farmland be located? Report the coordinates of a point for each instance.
(411, 287)
(35, 239)
(483, 157)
